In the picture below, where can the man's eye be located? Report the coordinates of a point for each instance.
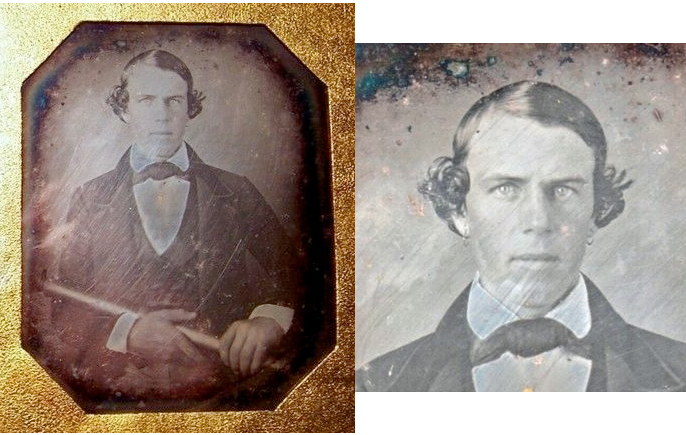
(563, 192)
(146, 100)
(174, 101)
(506, 190)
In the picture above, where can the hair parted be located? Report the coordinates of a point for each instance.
(119, 97)
(447, 180)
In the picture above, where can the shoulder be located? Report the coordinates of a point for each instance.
(384, 372)
(228, 178)
(636, 359)
(101, 189)
(222, 182)
(233, 189)
(95, 194)
(231, 181)
(657, 362)
(415, 366)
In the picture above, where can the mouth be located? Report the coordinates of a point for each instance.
(534, 258)
(161, 133)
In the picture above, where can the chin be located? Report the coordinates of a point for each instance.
(538, 292)
(163, 149)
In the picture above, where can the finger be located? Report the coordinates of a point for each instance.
(247, 354)
(187, 348)
(236, 347)
(175, 315)
(258, 358)
(225, 343)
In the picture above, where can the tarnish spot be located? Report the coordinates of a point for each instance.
(416, 207)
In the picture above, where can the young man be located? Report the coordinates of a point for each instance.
(168, 239)
(527, 188)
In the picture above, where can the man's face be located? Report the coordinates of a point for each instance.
(528, 211)
(157, 110)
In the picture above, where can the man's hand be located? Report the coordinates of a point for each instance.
(246, 344)
(154, 336)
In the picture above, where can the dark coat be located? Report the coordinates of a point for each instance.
(231, 255)
(625, 358)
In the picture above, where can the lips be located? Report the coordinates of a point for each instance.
(162, 133)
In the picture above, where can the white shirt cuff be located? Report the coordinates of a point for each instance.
(282, 315)
(120, 332)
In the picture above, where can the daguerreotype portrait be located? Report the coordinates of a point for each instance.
(177, 231)
(519, 218)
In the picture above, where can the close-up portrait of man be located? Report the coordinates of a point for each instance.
(171, 281)
(527, 192)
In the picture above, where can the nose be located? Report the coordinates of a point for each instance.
(537, 213)
(161, 111)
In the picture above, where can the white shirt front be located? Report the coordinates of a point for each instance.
(554, 370)
(161, 204)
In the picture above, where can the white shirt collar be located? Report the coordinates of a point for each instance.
(485, 314)
(140, 160)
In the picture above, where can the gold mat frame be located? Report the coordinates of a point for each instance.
(322, 36)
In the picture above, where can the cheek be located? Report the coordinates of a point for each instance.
(180, 118)
(490, 219)
(492, 231)
(575, 219)
(138, 115)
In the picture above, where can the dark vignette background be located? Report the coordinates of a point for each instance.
(265, 117)
(409, 100)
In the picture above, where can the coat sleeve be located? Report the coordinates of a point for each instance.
(80, 332)
(277, 255)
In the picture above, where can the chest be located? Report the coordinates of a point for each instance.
(161, 206)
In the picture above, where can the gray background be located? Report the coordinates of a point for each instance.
(410, 266)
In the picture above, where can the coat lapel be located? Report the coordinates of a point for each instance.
(452, 343)
(117, 203)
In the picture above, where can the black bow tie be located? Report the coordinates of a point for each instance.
(525, 338)
(159, 171)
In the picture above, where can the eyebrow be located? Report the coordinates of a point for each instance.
(519, 180)
(570, 180)
(156, 96)
(498, 178)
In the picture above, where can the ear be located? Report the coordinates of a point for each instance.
(461, 223)
(124, 115)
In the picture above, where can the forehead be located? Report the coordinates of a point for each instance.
(153, 80)
(523, 147)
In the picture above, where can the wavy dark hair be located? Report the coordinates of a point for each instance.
(119, 97)
(447, 180)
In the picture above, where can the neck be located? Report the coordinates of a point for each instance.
(157, 153)
(527, 300)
